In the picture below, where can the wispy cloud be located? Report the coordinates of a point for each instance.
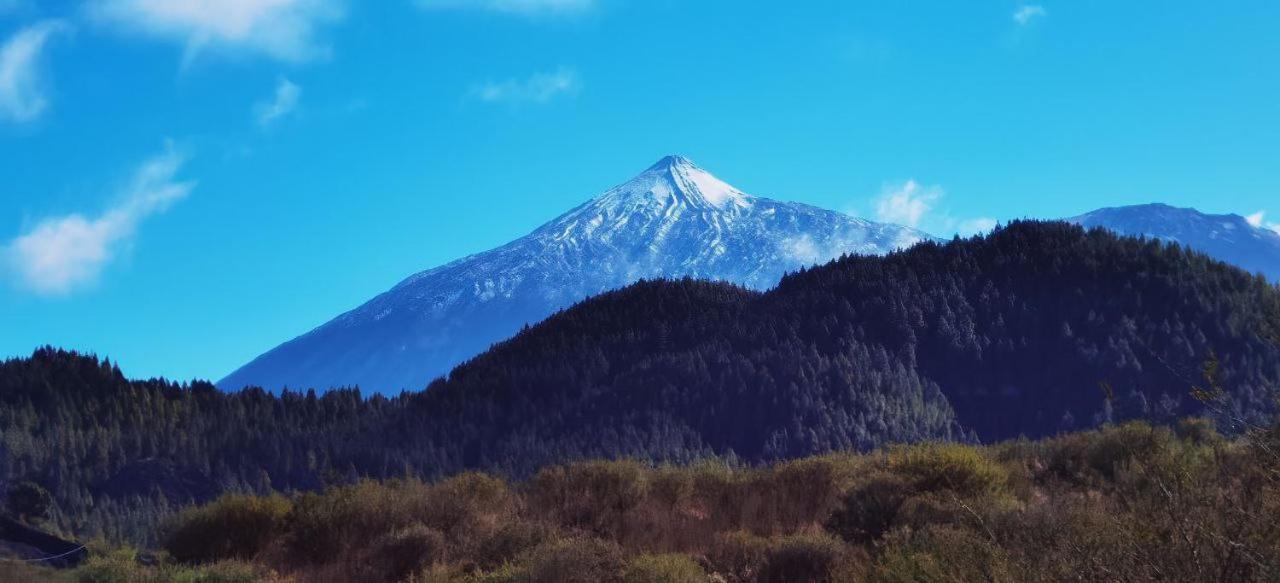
(22, 90)
(914, 205)
(1029, 13)
(906, 203)
(280, 105)
(537, 89)
(282, 29)
(62, 254)
(527, 7)
(1258, 219)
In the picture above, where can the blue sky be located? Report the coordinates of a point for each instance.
(187, 183)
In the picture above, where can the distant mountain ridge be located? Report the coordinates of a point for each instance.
(1230, 238)
(672, 220)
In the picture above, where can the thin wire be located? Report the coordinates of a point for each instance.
(75, 550)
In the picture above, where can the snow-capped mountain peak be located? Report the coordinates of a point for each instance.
(674, 219)
(673, 182)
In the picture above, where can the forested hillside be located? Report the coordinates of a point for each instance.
(1038, 328)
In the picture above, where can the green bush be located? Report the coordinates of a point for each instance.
(930, 467)
(668, 568)
(231, 527)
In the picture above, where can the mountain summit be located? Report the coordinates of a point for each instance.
(672, 220)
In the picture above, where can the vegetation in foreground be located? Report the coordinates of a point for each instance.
(1127, 502)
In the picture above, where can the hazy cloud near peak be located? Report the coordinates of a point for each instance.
(906, 203)
(282, 103)
(62, 254)
(285, 30)
(22, 87)
(538, 88)
(914, 205)
(1258, 219)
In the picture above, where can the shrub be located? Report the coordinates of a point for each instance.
(931, 467)
(122, 567)
(737, 556)
(593, 495)
(10, 571)
(1095, 457)
(804, 491)
(718, 493)
(231, 527)
(663, 569)
(324, 527)
(468, 506)
(803, 559)
(29, 501)
(406, 552)
(1198, 430)
(575, 560)
(509, 541)
(671, 487)
(941, 553)
(868, 510)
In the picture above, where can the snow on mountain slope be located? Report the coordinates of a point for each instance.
(673, 220)
(1229, 238)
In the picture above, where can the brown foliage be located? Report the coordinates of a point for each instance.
(1129, 502)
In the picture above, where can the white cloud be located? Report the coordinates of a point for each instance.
(906, 203)
(1258, 219)
(914, 205)
(527, 7)
(61, 254)
(282, 104)
(22, 92)
(281, 29)
(1026, 14)
(539, 88)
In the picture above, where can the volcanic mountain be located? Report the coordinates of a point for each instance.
(672, 220)
(1230, 238)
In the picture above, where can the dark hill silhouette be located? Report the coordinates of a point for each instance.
(1027, 331)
